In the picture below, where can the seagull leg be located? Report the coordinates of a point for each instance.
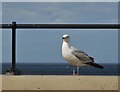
(77, 70)
(73, 70)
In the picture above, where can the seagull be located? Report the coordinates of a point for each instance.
(75, 56)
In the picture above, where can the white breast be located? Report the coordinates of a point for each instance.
(67, 54)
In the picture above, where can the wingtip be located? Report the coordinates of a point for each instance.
(101, 67)
(95, 65)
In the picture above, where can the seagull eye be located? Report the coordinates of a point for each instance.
(67, 37)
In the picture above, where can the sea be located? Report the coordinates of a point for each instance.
(61, 69)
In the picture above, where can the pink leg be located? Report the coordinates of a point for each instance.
(78, 70)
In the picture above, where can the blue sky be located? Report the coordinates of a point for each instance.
(60, 1)
(44, 46)
(0, 34)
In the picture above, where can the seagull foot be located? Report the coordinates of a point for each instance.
(76, 74)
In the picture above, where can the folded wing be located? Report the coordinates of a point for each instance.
(84, 58)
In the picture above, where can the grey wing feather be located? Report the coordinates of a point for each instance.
(82, 56)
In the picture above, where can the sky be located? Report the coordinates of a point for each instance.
(0, 34)
(60, 0)
(44, 46)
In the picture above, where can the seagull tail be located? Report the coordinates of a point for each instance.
(95, 65)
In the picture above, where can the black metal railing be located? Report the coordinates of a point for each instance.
(62, 26)
(15, 26)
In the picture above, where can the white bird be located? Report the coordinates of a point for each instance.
(76, 57)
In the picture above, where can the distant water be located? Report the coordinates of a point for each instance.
(61, 69)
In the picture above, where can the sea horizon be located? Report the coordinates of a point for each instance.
(61, 69)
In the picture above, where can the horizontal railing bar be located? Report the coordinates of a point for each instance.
(63, 26)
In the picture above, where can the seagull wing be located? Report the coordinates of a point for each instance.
(82, 56)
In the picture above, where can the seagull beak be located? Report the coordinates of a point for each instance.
(63, 38)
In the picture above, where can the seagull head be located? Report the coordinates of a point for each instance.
(66, 38)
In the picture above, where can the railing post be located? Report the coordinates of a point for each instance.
(13, 70)
(14, 46)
